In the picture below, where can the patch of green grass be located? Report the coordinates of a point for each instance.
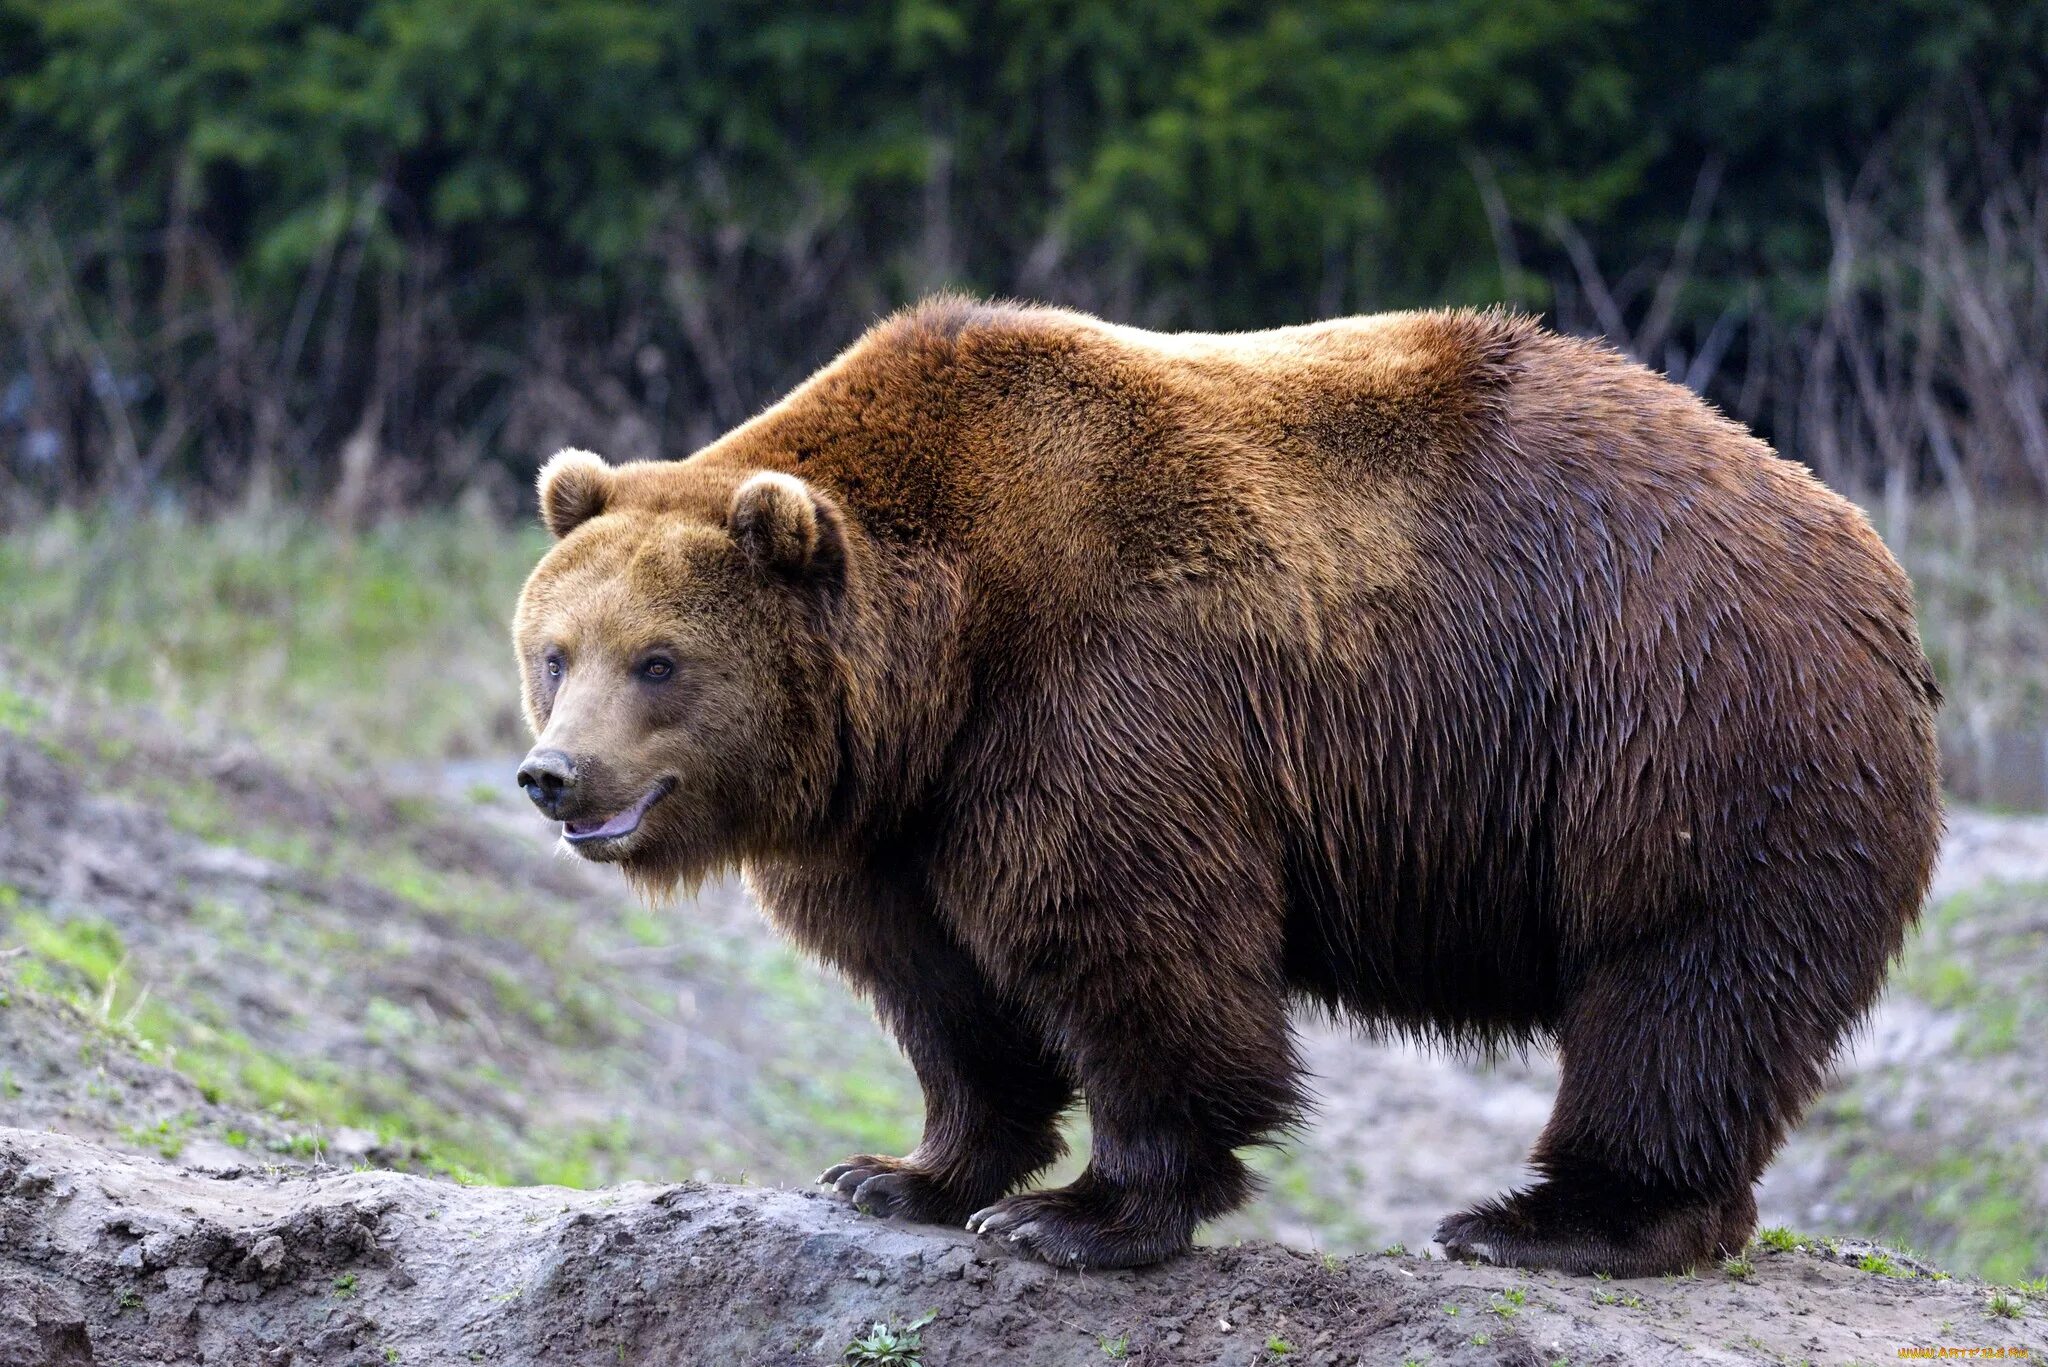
(393, 641)
(345, 1286)
(1882, 1264)
(645, 927)
(1780, 1239)
(889, 1346)
(1278, 1346)
(84, 961)
(1973, 1205)
(2005, 1306)
(19, 716)
(1741, 1269)
(166, 1137)
(89, 946)
(1996, 1029)
(1973, 1200)
(1115, 1349)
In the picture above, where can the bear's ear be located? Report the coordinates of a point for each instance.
(785, 525)
(574, 487)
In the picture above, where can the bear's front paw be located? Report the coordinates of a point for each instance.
(1080, 1227)
(895, 1188)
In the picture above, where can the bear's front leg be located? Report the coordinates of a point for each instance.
(1183, 1062)
(993, 1091)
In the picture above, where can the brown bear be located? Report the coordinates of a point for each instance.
(1085, 695)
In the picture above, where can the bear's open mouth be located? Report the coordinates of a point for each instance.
(620, 826)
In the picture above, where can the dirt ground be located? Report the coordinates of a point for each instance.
(281, 975)
(111, 1259)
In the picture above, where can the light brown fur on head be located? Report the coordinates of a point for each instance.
(719, 587)
(1083, 693)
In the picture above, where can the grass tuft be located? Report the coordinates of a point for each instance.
(888, 1346)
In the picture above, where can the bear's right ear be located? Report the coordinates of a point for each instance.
(574, 487)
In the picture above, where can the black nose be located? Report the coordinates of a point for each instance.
(546, 776)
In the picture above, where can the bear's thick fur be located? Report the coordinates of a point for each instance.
(1084, 695)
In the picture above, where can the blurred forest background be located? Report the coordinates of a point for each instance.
(295, 295)
(381, 251)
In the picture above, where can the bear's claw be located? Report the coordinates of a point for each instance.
(894, 1189)
(992, 1219)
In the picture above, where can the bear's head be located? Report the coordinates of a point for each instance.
(674, 646)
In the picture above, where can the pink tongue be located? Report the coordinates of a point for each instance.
(618, 825)
(625, 823)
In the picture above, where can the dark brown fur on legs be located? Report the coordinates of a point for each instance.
(1083, 695)
(993, 1091)
(1179, 1075)
(1685, 1061)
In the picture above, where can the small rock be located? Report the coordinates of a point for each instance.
(34, 1178)
(268, 1254)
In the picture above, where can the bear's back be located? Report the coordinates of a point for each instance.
(1066, 465)
(1065, 459)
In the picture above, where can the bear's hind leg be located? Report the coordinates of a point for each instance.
(1683, 1067)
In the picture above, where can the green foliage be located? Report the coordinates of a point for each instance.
(337, 177)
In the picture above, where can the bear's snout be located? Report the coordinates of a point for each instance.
(549, 777)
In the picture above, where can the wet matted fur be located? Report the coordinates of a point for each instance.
(1083, 694)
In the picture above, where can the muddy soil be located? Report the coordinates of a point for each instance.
(115, 1259)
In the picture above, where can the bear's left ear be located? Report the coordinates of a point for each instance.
(574, 487)
(784, 525)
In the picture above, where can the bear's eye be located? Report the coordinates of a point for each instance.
(553, 666)
(657, 669)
